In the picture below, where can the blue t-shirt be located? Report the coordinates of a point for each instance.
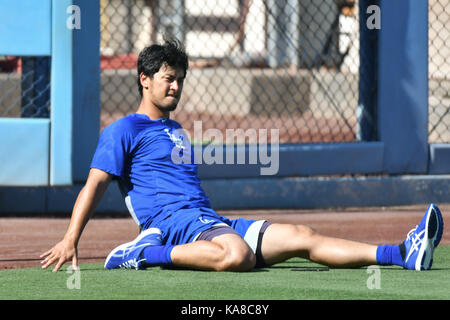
(140, 153)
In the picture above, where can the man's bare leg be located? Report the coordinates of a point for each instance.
(227, 252)
(283, 241)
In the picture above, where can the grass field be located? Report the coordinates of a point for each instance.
(279, 282)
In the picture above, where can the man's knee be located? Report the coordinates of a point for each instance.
(238, 260)
(236, 256)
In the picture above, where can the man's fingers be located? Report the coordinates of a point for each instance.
(75, 262)
(49, 255)
(59, 255)
(48, 261)
(59, 264)
(46, 253)
(47, 258)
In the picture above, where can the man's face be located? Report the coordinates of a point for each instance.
(165, 87)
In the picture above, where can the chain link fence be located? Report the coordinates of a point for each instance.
(439, 71)
(24, 87)
(291, 65)
(286, 64)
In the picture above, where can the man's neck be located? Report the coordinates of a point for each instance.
(152, 111)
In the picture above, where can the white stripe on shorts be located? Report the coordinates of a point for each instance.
(252, 234)
(131, 209)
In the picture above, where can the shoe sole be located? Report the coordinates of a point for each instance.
(126, 245)
(432, 237)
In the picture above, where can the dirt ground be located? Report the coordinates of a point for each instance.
(23, 239)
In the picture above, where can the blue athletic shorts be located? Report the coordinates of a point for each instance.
(187, 225)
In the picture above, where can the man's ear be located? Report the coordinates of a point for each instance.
(145, 80)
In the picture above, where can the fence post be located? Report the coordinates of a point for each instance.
(86, 86)
(61, 81)
(368, 57)
(403, 85)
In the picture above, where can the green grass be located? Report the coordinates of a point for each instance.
(274, 283)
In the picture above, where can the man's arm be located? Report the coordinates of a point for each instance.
(86, 202)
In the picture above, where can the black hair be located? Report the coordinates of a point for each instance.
(151, 59)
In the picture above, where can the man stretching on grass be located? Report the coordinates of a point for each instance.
(178, 226)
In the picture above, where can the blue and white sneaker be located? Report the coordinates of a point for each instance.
(421, 241)
(128, 255)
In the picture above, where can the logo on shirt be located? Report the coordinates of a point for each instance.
(205, 221)
(178, 141)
